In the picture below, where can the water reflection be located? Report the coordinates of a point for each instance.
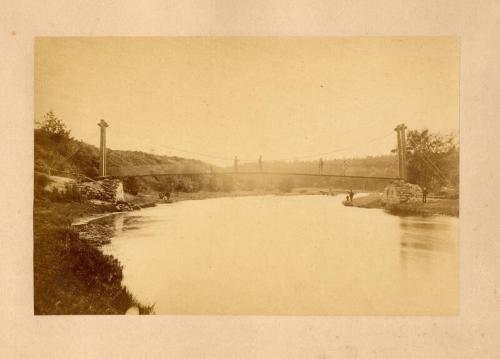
(426, 243)
(118, 222)
(123, 222)
(286, 255)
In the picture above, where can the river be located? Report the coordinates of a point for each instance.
(287, 255)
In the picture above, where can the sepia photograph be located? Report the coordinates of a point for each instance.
(269, 176)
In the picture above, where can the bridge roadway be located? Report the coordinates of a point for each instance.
(252, 173)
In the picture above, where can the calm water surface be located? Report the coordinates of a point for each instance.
(296, 255)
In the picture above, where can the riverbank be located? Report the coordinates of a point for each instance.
(434, 206)
(371, 200)
(149, 199)
(71, 274)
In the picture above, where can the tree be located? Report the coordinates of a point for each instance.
(130, 185)
(53, 126)
(227, 184)
(432, 159)
(211, 185)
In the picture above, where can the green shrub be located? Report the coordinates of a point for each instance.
(40, 182)
(131, 185)
(72, 193)
(211, 184)
(55, 195)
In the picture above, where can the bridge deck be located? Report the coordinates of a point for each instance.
(253, 173)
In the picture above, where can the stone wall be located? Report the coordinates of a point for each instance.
(109, 190)
(399, 192)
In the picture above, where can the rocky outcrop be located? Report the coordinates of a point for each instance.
(399, 192)
(108, 190)
(107, 193)
(122, 206)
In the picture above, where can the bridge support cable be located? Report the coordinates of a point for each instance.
(432, 164)
(240, 173)
(239, 160)
(103, 157)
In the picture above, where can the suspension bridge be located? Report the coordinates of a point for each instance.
(259, 164)
(401, 150)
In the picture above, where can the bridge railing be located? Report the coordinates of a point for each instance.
(239, 173)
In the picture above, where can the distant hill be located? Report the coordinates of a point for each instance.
(376, 166)
(73, 156)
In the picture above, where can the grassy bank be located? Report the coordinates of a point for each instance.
(71, 274)
(448, 207)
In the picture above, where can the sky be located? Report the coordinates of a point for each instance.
(213, 98)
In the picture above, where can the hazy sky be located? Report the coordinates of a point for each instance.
(279, 97)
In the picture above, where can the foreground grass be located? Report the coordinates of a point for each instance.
(448, 207)
(71, 275)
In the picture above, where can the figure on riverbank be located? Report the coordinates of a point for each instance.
(165, 195)
(424, 195)
(351, 195)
